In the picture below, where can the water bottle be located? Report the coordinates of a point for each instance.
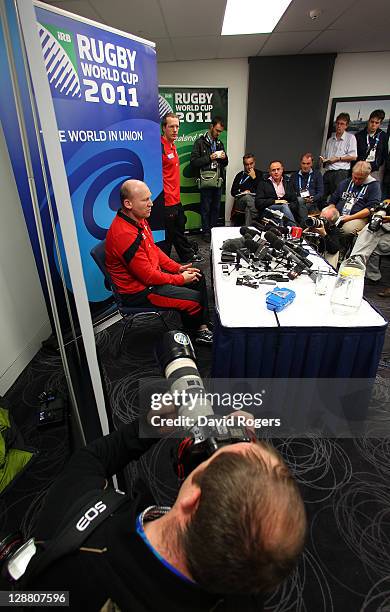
(348, 291)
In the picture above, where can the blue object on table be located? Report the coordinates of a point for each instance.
(279, 298)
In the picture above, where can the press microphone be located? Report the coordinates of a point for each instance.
(278, 214)
(255, 234)
(298, 249)
(278, 244)
(233, 244)
(259, 249)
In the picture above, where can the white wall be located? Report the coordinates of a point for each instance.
(359, 74)
(24, 322)
(232, 74)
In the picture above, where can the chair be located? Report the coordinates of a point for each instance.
(128, 313)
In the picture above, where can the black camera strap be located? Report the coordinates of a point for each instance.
(100, 506)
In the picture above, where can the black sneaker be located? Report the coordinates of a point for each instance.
(204, 337)
(194, 246)
(195, 259)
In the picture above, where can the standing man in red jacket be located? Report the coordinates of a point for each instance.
(142, 274)
(175, 219)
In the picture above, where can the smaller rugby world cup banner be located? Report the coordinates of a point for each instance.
(105, 94)
(195, 107)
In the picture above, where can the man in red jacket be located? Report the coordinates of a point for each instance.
(142, 274)
(175, 218)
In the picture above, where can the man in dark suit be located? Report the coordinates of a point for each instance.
(277, 192)
(244, 188)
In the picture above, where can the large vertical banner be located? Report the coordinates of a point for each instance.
(195, 107)
(105, 95)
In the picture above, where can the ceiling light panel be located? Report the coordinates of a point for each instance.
(252, 16)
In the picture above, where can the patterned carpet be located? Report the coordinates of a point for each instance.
(345, 483)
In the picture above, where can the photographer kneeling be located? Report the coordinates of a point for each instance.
(373, 242)
(325, 227)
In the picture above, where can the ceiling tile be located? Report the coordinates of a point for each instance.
(143, 19)
(365, 14)
(349, 41)
(164, 49)
(204, 47)
(286, 43)
(79, 7)
(297, 19)
(241, 46)
(193, 17)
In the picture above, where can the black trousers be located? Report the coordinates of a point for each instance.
(175, 222)
(332, 179)
(191, 300)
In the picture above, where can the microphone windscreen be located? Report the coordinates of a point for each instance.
(233, 244)
(273, 240)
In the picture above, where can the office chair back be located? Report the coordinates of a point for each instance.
(128, 313)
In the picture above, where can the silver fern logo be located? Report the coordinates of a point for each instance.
(57, 47)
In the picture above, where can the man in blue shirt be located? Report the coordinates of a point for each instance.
(309, 186)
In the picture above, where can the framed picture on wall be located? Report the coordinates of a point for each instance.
(359, 110)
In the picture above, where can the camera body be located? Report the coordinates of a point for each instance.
(380, 211)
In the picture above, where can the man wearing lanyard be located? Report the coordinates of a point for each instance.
(244, 188)
(309, 186)
(175, 219)
(354, 197)
(340, 151)
(372, 143)
(208, 153)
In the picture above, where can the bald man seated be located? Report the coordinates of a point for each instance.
(141, 272)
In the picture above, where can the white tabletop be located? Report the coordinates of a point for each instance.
(240, 306)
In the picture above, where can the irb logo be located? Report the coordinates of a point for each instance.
(90, 515)
(64, 37)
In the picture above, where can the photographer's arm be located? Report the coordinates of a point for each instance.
(90, 468)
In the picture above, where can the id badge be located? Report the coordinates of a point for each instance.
(348, 205)
(371, 156)
(305, 193)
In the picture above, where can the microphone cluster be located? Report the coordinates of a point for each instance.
(262, 244)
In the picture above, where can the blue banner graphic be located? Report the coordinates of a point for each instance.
(105, 96)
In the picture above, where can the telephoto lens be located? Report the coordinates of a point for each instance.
(314, 222)
(176, 357)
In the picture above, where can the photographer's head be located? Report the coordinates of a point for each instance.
(238, 524)
(330, 213)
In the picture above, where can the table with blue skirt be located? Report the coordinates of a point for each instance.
(309, 342)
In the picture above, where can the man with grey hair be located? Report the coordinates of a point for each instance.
(354, 197)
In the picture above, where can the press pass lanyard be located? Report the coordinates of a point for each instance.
(369, 139)
(350, 197)
(307, 184)
(244, 177)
